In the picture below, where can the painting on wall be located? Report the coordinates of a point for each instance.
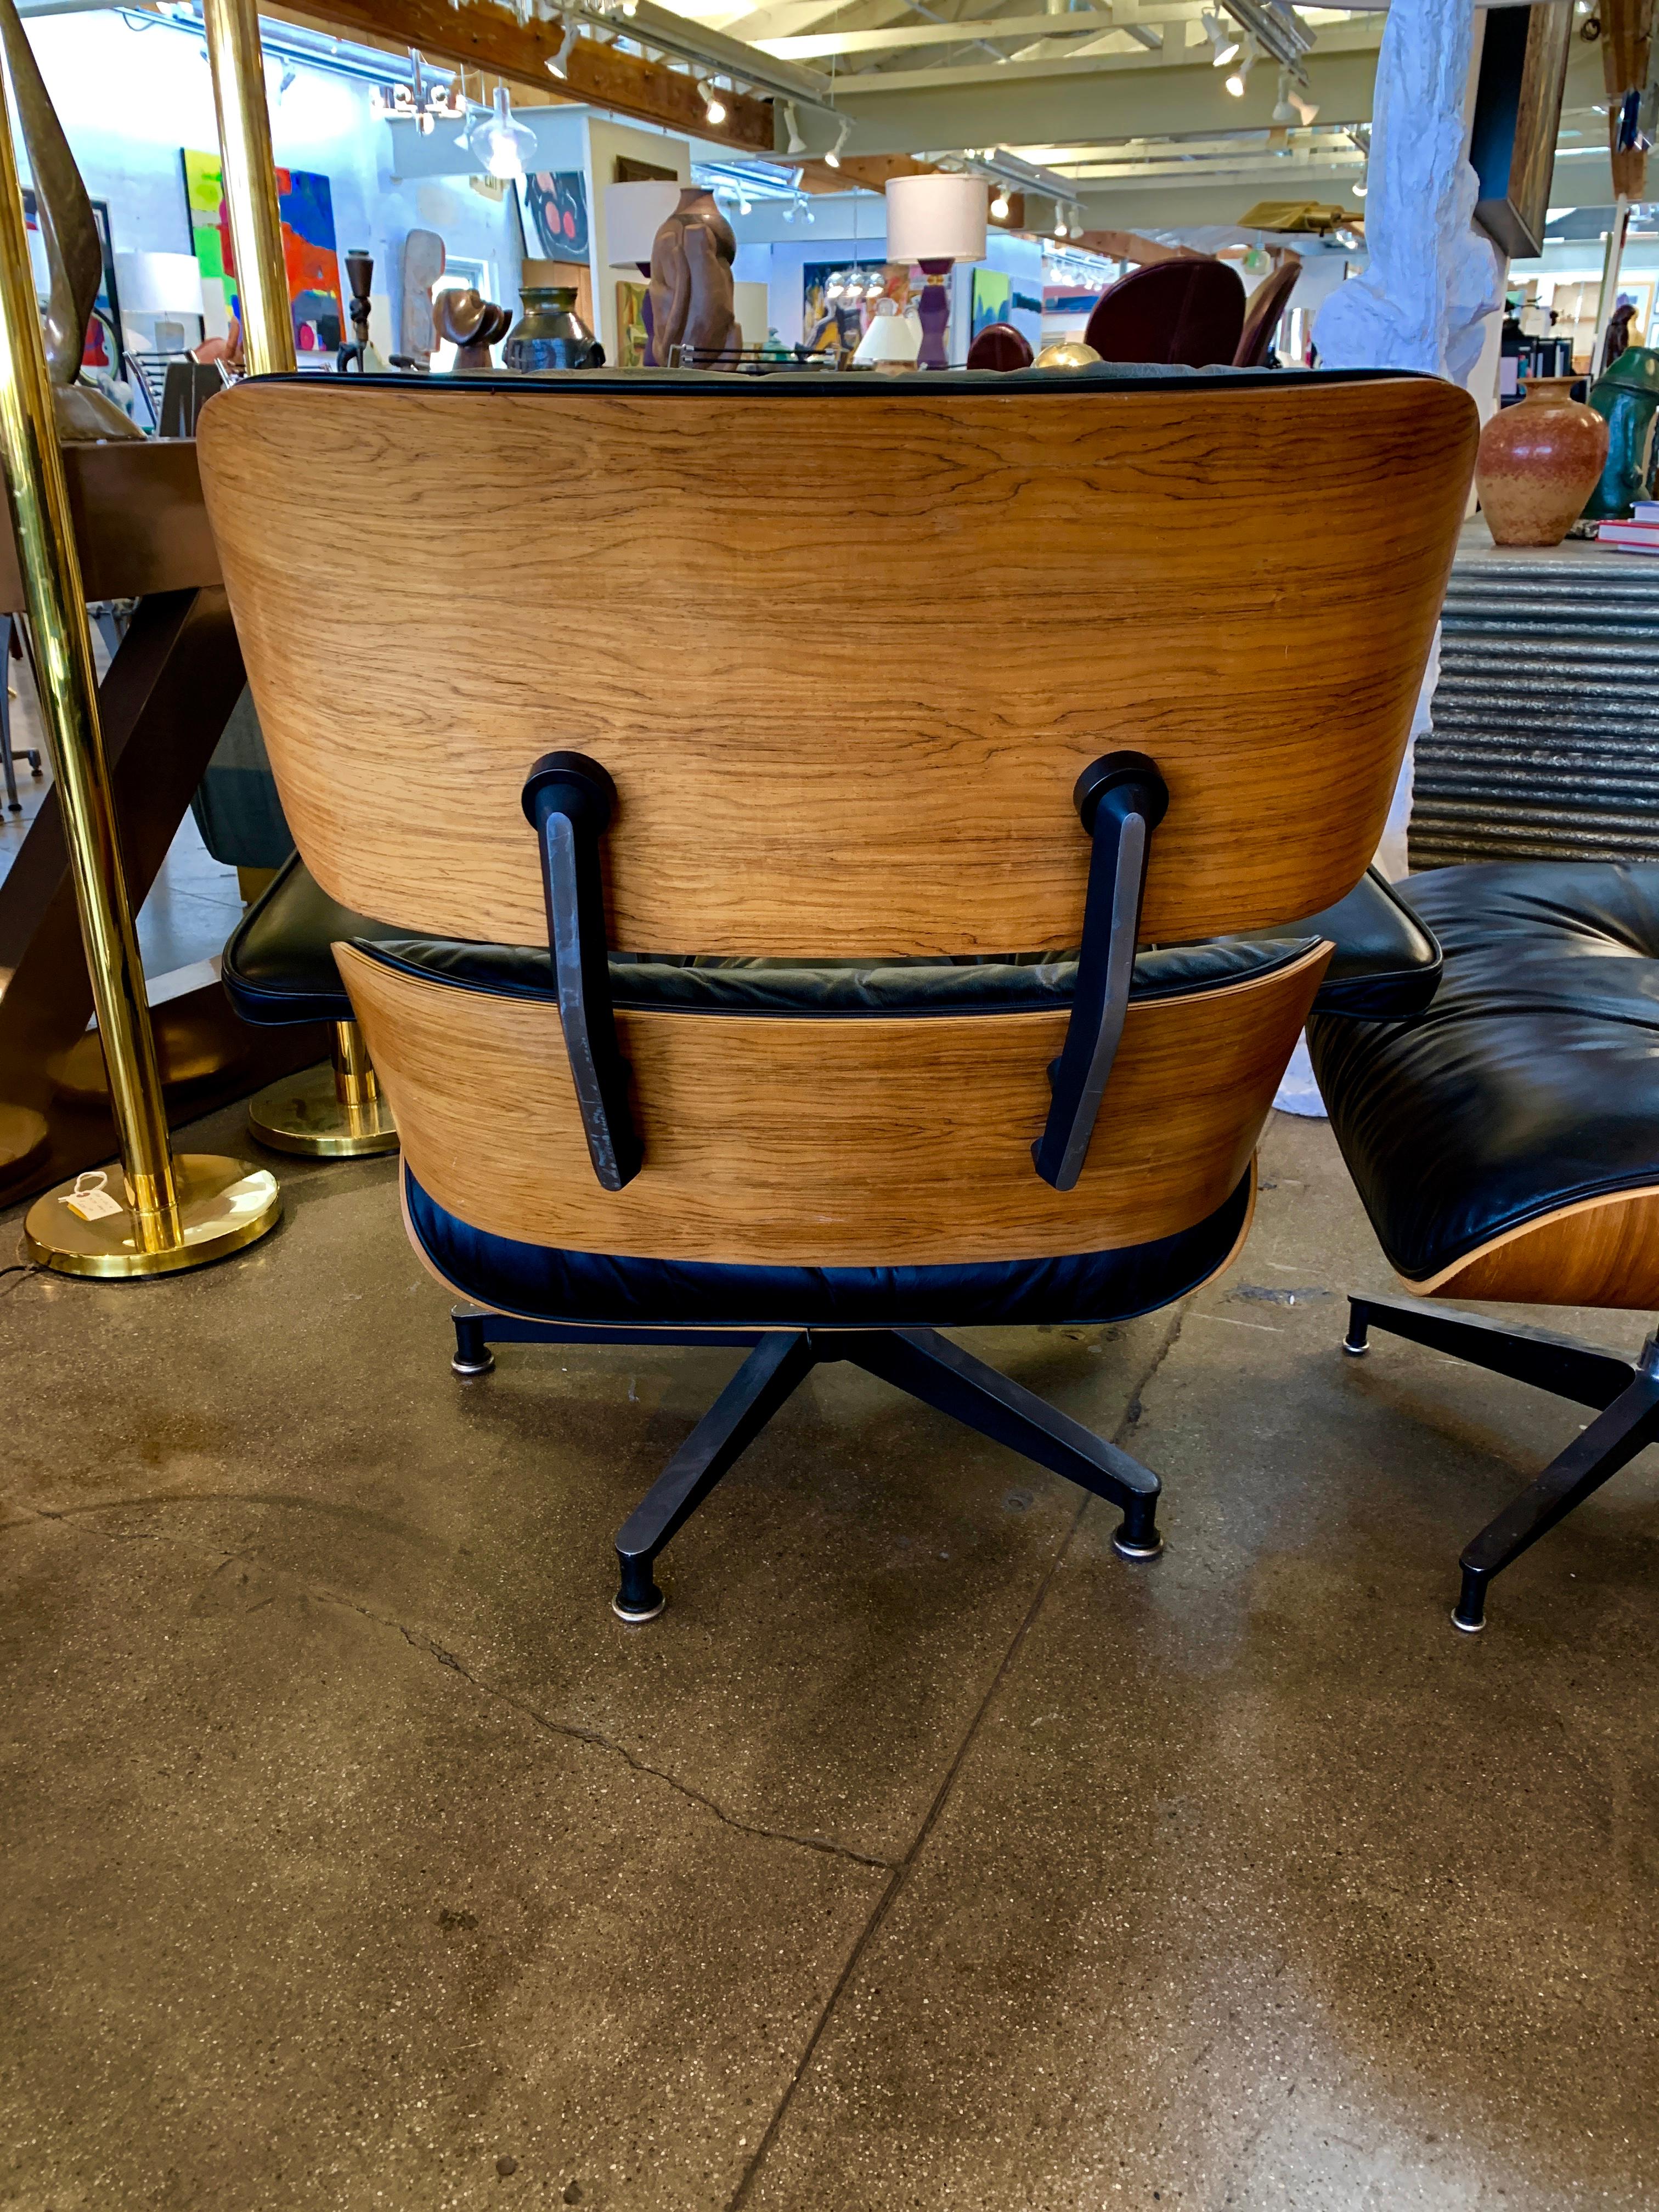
(991, 299)
(556, 208)
(104, 337)
(309, 253)
(631, 326)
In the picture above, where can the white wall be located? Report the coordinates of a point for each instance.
(130, 99)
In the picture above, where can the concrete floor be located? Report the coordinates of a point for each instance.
(923, 1854)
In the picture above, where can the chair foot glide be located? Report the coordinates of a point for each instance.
(473, 1355)
(638, 1599)
(1137, 1536)
(1469, 1613)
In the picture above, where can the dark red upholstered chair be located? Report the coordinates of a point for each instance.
(1190, 312)
(1266, 303)
(999, 345)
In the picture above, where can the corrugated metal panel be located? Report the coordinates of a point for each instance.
(1545, 738)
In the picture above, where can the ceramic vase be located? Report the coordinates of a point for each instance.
(1627, 393)
(549, 334)
(1538, 463)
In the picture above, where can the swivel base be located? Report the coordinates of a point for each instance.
(1624, 1395)
(304, 1115)
(223, 1204)
(920, 1361)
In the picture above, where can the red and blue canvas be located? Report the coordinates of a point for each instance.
(313, 267)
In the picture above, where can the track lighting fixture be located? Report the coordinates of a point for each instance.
(1239, 75)
(1224, 41)
(1000, 206)
(833, 157)
(796, 143)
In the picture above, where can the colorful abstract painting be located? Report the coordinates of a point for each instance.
(555, 207)
(104, 337)
(309, 253)
(631, 326)
(991, 294)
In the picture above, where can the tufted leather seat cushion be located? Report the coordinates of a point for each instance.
(1533, 1079)
(279, 966)
(544, 1284)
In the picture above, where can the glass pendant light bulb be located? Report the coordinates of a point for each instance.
(502, 145)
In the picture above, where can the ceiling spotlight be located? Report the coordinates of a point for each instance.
(1000, 205)
(1238, 76)
(744, 207)
(796, 143)
(1284, 112)
(713, 106)
(1060, 222)
(1224, 40)
(833, 156)
(1360, 186)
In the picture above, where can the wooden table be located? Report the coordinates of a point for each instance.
(142, 533)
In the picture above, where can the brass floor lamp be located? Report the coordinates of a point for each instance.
(174, 1212)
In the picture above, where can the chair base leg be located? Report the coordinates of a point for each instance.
(919, 1361)
(1626, 1392)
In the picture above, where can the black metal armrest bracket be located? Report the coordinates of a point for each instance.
(1122, 799)
(569, 800)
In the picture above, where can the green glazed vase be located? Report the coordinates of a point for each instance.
(1627, 394)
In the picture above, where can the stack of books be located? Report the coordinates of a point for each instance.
(1639, 535)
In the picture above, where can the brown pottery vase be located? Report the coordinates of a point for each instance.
(1538, 463)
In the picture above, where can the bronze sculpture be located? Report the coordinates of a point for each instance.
(691, 296)
(75, 253)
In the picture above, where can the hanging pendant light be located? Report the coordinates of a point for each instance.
(502, 145)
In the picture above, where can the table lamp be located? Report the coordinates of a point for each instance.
(936, 220)
(634, 214)
(160, 286)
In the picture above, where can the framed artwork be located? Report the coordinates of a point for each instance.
(105, 340)
(992, 290)
(309, 253)
(556, 213)
(627, 171)
(631, 326)
(1517, 115)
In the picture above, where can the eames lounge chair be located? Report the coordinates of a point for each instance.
(726, 1007)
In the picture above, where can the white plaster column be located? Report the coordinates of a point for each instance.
(1431, 282)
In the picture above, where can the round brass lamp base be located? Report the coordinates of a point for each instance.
(304, 1114)
(223, 1204)
(23, 1132)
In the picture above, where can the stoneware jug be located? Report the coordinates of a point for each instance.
(550, 334)
(1538, 463)
(1627, 393)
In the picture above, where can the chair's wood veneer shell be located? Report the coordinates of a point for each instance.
(844, 656)
(863, 1142)
(1599, 1252)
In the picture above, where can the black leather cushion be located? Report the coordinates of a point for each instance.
(279, 967)
(279, 964)
(1385, 962)
(547, 1284)
(1533, 1079)
(854, 987)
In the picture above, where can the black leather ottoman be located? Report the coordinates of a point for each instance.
(1506, 1145)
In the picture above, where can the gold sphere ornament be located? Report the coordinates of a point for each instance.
(1067, 353)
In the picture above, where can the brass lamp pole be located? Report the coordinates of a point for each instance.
(177, 1212)
(336, 1109)
(250, 175)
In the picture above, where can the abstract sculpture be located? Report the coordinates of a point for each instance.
(473, 324)
(75, 253)
(691, 300)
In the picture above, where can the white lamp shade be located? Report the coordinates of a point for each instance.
(936, 218)
(159, 283)
(891, 338)
(634, 214)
